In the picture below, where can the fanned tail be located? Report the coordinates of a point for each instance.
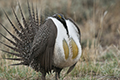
(23, 41)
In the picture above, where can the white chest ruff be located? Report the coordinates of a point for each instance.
(59, 56)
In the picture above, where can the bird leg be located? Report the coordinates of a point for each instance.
(43, 76)
(57, 76)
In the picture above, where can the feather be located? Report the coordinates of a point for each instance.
(33, 13)
(20, 25)
(16, 59)
(24, 21)
(30, 16)
(18, 55)
(37, 20)
(14, 37)
(70, 69)
(9, 40)
(21, 63)
(12, 24)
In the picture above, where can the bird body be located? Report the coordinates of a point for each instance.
(52, 45)
(60, 59)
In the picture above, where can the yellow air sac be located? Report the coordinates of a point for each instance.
(74, 49)
(66, 49)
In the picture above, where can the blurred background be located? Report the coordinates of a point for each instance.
(99, 22)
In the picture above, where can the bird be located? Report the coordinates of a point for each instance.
(52, 44)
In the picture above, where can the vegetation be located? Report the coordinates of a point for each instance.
(99, 22)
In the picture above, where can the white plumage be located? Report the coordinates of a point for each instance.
(59, 56)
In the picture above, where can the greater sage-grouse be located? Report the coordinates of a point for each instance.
(52, 45)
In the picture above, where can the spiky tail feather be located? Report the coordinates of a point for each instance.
(22, 42)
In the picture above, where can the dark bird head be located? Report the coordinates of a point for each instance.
(61, 18)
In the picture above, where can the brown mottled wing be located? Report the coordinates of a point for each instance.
(43, 45)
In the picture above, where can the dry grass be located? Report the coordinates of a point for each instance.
(100, 36)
